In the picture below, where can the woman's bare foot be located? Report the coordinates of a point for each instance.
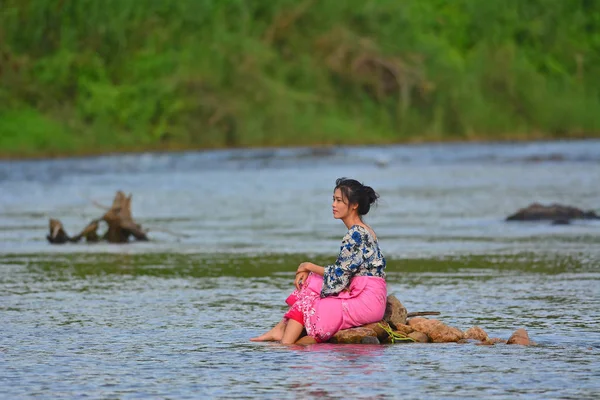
(274, 335)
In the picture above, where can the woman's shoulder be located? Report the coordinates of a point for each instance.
(357, 228)
(359, 232)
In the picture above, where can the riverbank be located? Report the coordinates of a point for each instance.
(94, 151)
(79, 79)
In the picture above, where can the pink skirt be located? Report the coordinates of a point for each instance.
(362, 303)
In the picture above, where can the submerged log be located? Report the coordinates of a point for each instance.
(121, 225)
(557, 213)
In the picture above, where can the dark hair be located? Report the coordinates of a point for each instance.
(357, 193)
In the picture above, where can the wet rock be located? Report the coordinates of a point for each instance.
(496, 340)
(306, 340)
(413, 322)
(405, 329)
(520, 336)
(419, 337)
(395, 312)
(554, 212)
(437, 331)
(352, 335)
(486, 342)
(476, 333)
(378, 329)
(369, 340)
(396, 337)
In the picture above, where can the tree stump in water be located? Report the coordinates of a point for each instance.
(57, 233)
(120, 222)
(121, 225)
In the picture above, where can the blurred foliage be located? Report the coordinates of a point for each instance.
(86, 76)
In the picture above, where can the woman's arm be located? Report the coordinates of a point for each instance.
(310, 267)
(303, 270)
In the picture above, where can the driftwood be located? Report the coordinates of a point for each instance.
(421, 313)
(121, 225)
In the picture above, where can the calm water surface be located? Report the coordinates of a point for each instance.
(171, 318)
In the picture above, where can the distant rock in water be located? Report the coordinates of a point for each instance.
(559, 214)
(521, 337)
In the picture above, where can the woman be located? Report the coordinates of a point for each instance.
(349, 293)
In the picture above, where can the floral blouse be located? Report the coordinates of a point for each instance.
(359, 256)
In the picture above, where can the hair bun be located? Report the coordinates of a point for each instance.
(372, 196)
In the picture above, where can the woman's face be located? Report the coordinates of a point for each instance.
(341, 208)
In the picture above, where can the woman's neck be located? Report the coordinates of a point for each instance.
(352, 220)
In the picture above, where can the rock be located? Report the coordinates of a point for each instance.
(486, 342)
(520, 336)
(554, 212)
(395, 312)
(369, 340)
(352, 335)
(496, 340)
(379, 331)
(476, 333)
(306, 340)
(406, 329)
(436, 330)
(416, 321)
(419, 337)
(401, 335)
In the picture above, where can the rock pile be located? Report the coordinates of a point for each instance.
(399, 325)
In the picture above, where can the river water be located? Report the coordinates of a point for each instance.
(171, 318)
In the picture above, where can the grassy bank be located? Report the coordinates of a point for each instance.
(88, 76)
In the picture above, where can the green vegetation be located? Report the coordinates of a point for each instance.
(89, 76)
(175, 265)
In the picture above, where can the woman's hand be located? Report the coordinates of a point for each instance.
(303, 267)
(300, 279)
(301, 275)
